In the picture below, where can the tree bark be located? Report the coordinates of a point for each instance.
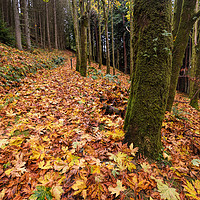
(17, 25)
(113, 50)
(100, 46)
(149, 88)
(47, 23)
(77, 35)
(55, 24)
(195, 70)
(26, 21)
(177, 16)
(188, 18)
(105, 11)
(124, 46)
(84, 24)
(131, 37)
(89, 35)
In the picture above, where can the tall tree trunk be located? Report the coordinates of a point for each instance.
(100, 46)
(77, 35)
(84, 24)
(26, 21)
(195, 70)
(106, 11)
(177, 16)
(149, 90)
(97, 40)
(131, 37)
(89, 35)
(41, 33)
(47, 23)
(124, 46)
(17, 25)
(55, 24)
(35, 27)
(113, 50)
(188, 18)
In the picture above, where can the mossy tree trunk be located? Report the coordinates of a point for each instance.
(77, 35)
(177, 15)
(195, 70)
(196, 86)
(149, 87)
(187, 20)
(131, 37)
(194, 56)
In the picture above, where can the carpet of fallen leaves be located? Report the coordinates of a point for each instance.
(57, 141)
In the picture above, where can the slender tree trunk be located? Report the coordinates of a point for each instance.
(113, 50)
(89, 35)
(77, 35)
(27, 30)
(149, 89)
(117, 59)
(124, 46)
(47, 23)
(195, 70)
(41, 34)
(17, 25)
(35, 27)
(84, 24)
(105, 11)
(177, 16)
(100, 46)
(97, 40)
(188, 18)
(55, 24)
(131, 38)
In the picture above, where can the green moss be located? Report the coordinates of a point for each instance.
(149, 87)
(185, 26)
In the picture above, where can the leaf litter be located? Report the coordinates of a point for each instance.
(58, 142)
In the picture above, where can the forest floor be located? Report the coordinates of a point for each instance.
(58, 142)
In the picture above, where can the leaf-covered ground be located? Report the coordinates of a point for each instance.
(61, 136)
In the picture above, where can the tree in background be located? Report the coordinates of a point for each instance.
(187, 20)
(17, 24)
(77, 35)
(195, 69)
(83, 38)
(149, 87)
(106, 13)
(26, 23)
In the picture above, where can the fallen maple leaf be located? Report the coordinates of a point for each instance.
(193, 189)
(165, 191)
(57, 191)
(116, 190)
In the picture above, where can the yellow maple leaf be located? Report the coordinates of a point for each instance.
(116, 190)
(80, 185)
(16, 141)
(2, 194)
(165, 191)
(193, 189)
(57, 191)
(35, 155)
